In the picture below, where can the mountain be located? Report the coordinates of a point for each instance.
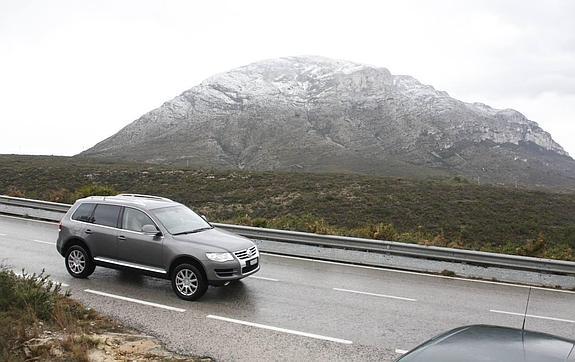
(321, 115)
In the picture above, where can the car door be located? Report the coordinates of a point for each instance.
(136, 246)
(101, 234)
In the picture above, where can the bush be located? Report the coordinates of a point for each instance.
(33, 293)
(320, 227)
(533, 247)
(60, 195)
(385, 232)
(95, 190)
(24, 301)
(30, 304)
(14, 192)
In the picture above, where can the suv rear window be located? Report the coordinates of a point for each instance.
(106, 215)
(84, 212)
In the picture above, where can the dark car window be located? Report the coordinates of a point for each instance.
(134, 220)
(84, 212)
(106, 215)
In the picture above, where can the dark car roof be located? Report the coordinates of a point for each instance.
(493, 344)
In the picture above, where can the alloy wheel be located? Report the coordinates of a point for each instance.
(77, 261)
(186, 282)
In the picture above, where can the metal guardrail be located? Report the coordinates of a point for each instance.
(34, 204)
(351, 243)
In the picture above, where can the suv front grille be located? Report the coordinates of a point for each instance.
(246, 253)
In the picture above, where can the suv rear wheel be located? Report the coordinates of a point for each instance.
(79, 263)
(188, 283)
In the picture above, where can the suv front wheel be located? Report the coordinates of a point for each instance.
(79, 263)
(188, 283)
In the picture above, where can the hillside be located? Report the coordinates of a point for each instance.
(448, 211)
(313, 114)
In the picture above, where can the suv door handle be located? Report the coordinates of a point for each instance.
(121, 237)
(88, 231)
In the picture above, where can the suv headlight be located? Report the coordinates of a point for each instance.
(220, 256)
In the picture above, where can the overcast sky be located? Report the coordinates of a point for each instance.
(75, 72)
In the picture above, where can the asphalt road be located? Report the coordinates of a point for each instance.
(294, 308)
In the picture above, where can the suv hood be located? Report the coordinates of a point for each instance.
(218, 238)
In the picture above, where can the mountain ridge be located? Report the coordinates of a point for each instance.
(322, 115)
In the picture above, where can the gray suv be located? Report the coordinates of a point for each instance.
(155, 236)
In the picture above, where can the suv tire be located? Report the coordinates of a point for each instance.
(188, 282)
(78, 262)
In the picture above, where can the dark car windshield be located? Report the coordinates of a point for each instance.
(179, 220)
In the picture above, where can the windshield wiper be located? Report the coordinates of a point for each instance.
(184, 232)
(193, 231)
(203, 229)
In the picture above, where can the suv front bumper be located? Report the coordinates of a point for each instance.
(219, 273)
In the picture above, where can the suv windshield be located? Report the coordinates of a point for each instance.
(179, 220)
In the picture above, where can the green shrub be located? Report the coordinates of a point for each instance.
(95, 190)
(24, 301)
(30, 306)
(34, 293)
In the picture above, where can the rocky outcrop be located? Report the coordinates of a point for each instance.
(318, 114)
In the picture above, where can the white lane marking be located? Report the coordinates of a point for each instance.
(375, 295)
(3, 234)
(44, 242)
(25, 219)
(277, 329)
(133, 300)
(417, 273)
(263, 278)
(401, 351)
(532, 316)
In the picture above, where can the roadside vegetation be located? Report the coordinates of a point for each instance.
(38, 321)
(449, 212)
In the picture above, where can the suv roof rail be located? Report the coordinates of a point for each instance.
(145, 197)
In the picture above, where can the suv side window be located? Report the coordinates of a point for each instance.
(106, 215)
(84, 212)
(134, 220)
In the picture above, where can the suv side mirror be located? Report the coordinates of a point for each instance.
(150, 230)
(205, 218)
